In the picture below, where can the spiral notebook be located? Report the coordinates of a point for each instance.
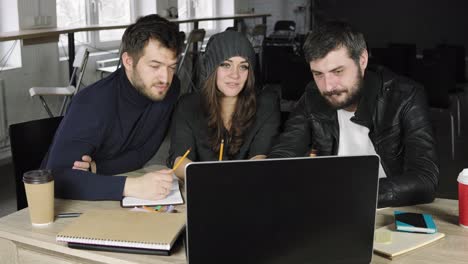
(126, 229)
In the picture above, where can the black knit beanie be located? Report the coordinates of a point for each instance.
(223, 46)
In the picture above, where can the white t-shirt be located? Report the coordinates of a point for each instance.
(354, 139)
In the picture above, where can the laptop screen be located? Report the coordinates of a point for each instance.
(300, 210)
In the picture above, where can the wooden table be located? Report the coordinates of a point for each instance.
(38, 245)
(449, 250)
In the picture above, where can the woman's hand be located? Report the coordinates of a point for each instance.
(258, 157)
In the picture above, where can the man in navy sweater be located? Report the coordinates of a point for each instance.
(120, 121)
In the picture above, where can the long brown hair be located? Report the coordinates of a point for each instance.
(242, 117)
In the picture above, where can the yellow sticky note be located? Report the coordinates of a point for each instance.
(383, 236)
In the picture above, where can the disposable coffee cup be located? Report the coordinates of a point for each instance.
(39, 186)
(463, 198)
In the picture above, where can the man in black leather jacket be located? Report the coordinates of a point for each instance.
(351, 110)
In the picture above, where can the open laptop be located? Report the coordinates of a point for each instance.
(299, 210)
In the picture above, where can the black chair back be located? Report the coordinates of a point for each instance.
(402, 58)
(455, 57)
(30, 142)
(286, 25)
(437, 79)
(398, 57)
(295, 76)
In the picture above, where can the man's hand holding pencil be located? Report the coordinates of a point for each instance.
(153, 185)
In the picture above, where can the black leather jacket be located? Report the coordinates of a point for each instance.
(395, 111)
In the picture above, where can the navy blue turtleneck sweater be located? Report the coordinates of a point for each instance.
(114, 124)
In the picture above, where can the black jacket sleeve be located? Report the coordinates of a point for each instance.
(419, 180)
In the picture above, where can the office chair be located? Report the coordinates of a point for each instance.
(398, 57)
(182, 37)
(285, 25)
(110, 69)
(402, 58)
(194, 41)
(436, 81)
(231, 28)
(257, 36)
(79, 66)
(296, 75)
(284, 29)
(30, 142)
(446, 58)
(455, 55)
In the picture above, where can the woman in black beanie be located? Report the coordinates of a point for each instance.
(227, 110)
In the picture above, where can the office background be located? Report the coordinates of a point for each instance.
(425, 24)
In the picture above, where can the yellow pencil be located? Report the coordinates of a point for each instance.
(221, 150)
(181, 159)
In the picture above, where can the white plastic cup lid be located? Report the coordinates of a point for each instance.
(463, 177)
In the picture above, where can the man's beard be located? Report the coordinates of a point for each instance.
(354, 94)
(146, 91)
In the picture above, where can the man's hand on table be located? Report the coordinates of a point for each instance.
(154, 185)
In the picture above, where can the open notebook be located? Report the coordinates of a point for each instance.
(125, 229)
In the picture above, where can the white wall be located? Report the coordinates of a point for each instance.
(242, 6)
(227, 8)
(145, 7)
(9, 23)
(37, 14)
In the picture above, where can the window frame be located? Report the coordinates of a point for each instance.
(94, 43)
(191, 13)
(10, 51)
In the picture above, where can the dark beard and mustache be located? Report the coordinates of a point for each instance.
(137, 82)
(353, 96)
